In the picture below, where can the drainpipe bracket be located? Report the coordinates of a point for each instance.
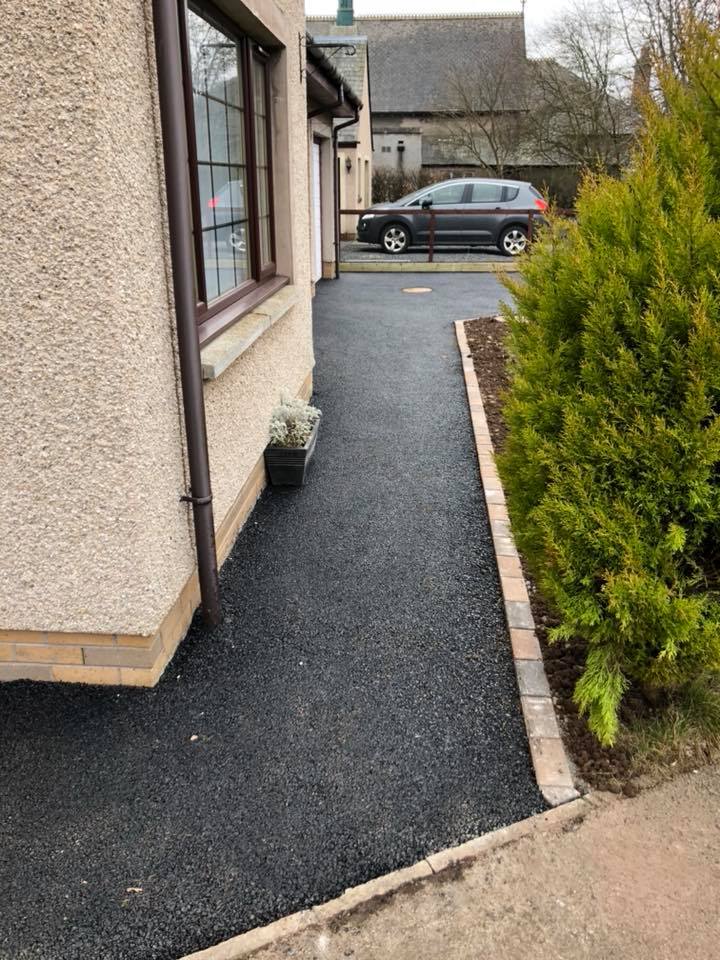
(196, 501)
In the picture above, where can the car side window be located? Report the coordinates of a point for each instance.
(486, 193)
(447, 195)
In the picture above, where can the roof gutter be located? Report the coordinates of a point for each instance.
(340, 102)
(175, 151)
(336, 183)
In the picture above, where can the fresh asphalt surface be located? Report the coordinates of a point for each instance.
(356, 710)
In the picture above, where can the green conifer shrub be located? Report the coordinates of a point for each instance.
(612, 462)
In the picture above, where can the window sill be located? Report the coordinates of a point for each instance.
(225, 349)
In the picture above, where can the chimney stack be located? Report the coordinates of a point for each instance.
(345, 16)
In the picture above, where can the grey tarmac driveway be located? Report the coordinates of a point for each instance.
(356, 710)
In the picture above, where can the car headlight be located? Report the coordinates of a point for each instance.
(368, 216)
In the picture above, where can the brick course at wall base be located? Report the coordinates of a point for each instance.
(119, 659)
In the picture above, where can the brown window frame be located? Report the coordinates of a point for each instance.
(214, 316)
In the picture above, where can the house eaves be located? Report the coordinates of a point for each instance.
(327, 89)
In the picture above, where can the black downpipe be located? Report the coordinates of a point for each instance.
(174, 133)
(336, 131)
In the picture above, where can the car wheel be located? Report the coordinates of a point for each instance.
(513, 241)
(395, 238)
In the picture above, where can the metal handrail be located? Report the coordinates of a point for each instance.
(432, 212)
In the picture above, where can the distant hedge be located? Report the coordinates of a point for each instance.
(390, 184)
(612, 463)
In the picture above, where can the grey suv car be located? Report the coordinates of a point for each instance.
(488, 200)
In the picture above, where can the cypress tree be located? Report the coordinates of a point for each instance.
(612, 462)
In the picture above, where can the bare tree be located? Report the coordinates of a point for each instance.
(659, 26)
(581, 110)
(578, 104)
(485, 116)
(571, 107)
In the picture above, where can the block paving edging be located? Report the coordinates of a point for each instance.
(552, 768)
(246, 944)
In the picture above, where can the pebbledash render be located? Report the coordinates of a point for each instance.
(99, 565)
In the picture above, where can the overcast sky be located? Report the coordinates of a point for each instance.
(536, 11)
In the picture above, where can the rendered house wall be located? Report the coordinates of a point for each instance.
(356, 183)
(97, 554)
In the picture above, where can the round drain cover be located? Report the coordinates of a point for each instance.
(417, 290)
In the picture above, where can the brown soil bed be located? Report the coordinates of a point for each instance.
(601, 768)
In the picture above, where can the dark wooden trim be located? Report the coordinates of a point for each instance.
(219, 303)
(214, 325)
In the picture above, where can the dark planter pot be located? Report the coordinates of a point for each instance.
(287, 466)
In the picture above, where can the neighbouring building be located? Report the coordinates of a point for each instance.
(410, 58)
(333, 107)
(347, 50)
(452, 93)
(155, 272)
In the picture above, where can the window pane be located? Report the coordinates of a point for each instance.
(263, 192)
(261, 141)
(226, 259)
(228, 198)
(202, 142)
(262, 121)
(233, 87)
(210, 263)
(207, 203)
(259, 88)
(218, 132)
(265, 245)
(213, 56)
(238, 192)
(221, 64)
(236, 135)
(238, 240)
(486, 193)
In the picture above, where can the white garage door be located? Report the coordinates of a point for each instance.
(316, 214)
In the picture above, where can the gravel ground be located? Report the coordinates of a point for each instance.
(352, 251)
(638, 879)
(356, 710)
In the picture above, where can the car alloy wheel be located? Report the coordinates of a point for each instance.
(395, 239)
(514, 241)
